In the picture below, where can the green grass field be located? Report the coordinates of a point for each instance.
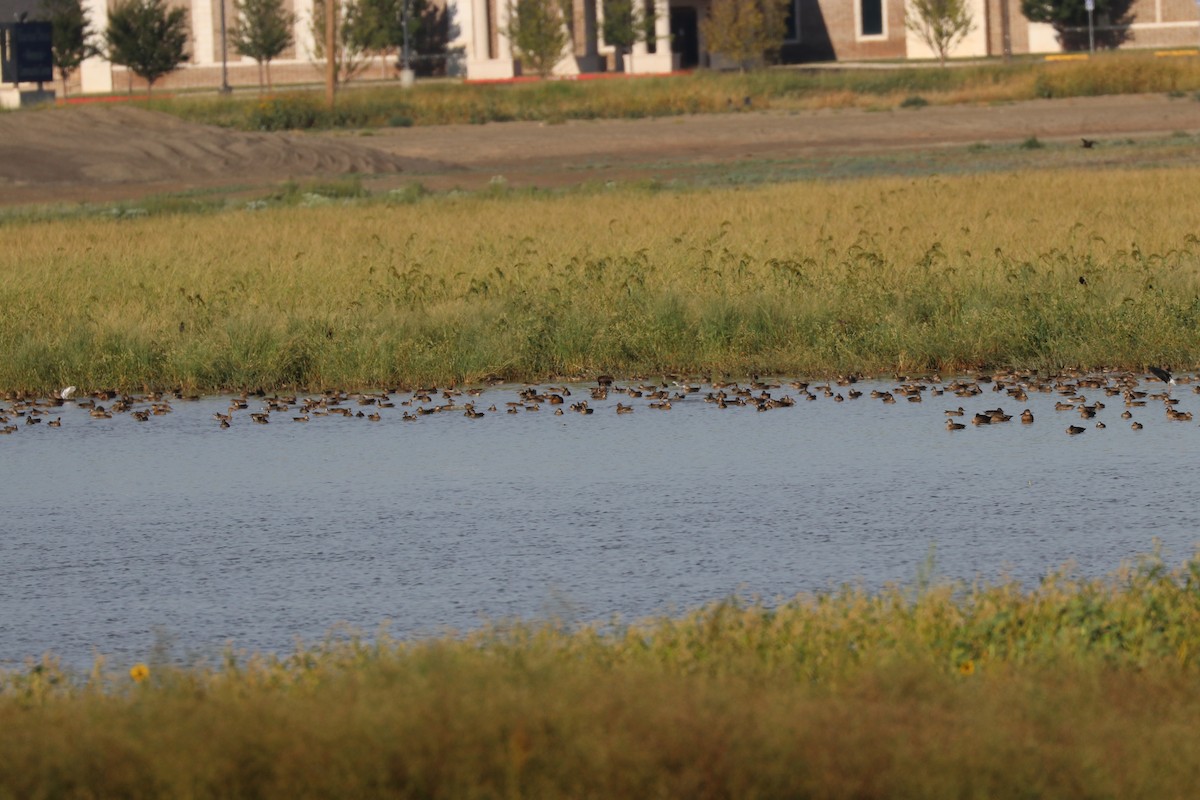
(874, 275)
(702, 92)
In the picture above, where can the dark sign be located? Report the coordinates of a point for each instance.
(25, 52)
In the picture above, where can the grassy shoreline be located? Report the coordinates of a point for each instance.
(1073, 688)
(813, 278)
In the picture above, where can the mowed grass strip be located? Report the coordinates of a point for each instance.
(704, 92)
(1070, 689)
(1031, 269)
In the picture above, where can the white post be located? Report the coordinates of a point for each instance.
(1090, 5)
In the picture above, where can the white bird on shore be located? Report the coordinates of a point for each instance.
(66, 393)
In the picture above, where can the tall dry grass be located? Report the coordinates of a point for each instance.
(1070, 689)
(870, 275)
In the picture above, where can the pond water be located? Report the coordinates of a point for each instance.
(118, 534)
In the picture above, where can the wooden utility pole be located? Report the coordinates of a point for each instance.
(330, 51)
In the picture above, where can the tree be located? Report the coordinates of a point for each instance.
(538, 34)
(69, 40)
(940, 24)
(349, 57)
(624, 26)
(379, 25)
(262, 31)
(431, 35)
(1070, 19)
(747, 32)
(147, 37)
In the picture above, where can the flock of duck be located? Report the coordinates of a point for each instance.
(1079, 393)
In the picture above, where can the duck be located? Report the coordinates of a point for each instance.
(1075, 430)
(951, 425)
(1026, 417)
(1137, 426)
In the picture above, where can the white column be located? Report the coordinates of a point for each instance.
(302, 31)
(481, 30)
(504, 47)
(95, 73)
(480, 66)
(204, 41)
(662, 31)
(659, 61)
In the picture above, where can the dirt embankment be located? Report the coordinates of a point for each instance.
(97, 153)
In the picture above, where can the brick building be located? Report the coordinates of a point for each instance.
(476, 47)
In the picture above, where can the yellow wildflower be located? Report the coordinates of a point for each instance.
(966, 667)
(139, 672)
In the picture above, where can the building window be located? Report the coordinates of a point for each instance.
(871, 18)
(792, 23)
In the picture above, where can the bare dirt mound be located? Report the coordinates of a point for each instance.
(104, 152)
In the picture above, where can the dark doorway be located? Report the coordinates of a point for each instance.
(685, 36)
